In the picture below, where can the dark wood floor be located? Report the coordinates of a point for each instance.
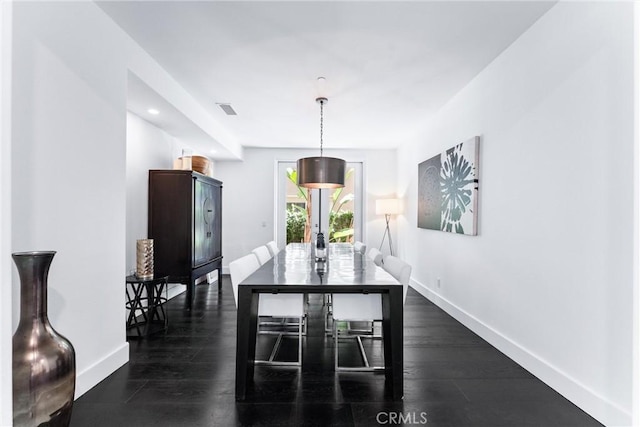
(185, 377)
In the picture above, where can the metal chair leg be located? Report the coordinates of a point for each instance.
(276, 348)
(367, 367)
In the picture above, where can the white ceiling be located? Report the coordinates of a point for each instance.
(389, 65)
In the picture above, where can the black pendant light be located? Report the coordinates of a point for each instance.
(321, 172)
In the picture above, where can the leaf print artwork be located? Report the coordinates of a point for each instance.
(448, 190)
(456, 185)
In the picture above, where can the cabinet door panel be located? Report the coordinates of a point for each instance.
(203, 222)
(217, 223)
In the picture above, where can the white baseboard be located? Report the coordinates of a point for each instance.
(600, 408)
(100, 370)
(174, 289)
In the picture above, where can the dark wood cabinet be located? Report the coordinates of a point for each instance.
(185, 223)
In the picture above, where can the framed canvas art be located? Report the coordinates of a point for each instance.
(448, 190)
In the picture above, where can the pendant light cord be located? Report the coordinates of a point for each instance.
(321, 124)
(319, 189)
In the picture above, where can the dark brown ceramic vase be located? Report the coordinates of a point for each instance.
(44, 362)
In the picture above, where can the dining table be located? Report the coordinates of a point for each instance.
(296, 270)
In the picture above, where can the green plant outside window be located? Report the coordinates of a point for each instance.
(299, 217)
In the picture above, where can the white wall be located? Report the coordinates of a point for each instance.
(249, 191)
(6, 327)
(549, 278)
(69, 178)
(68, 186)
(148, 147)
(636, 215)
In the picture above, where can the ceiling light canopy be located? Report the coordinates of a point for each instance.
(321, 172)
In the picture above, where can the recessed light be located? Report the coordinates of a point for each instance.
(213, 151)
(153, 111)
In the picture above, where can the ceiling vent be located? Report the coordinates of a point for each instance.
(228, 109)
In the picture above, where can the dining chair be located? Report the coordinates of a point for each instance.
(273, 248)
(375, 255)
(360, 247)
(263, 254)
(367, 308)
(399, 269)
(240, 269)
(270, 305)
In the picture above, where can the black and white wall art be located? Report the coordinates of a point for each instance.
(448, 190)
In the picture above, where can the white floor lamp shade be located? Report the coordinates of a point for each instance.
(387, 207)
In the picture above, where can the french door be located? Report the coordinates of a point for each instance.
(301, 213)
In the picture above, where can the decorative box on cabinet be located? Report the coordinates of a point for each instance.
(185, 223)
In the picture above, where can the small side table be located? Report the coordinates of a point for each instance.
(149, 308)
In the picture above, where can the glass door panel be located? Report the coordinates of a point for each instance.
(298, 208)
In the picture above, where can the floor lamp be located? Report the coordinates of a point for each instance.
(387, 207)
